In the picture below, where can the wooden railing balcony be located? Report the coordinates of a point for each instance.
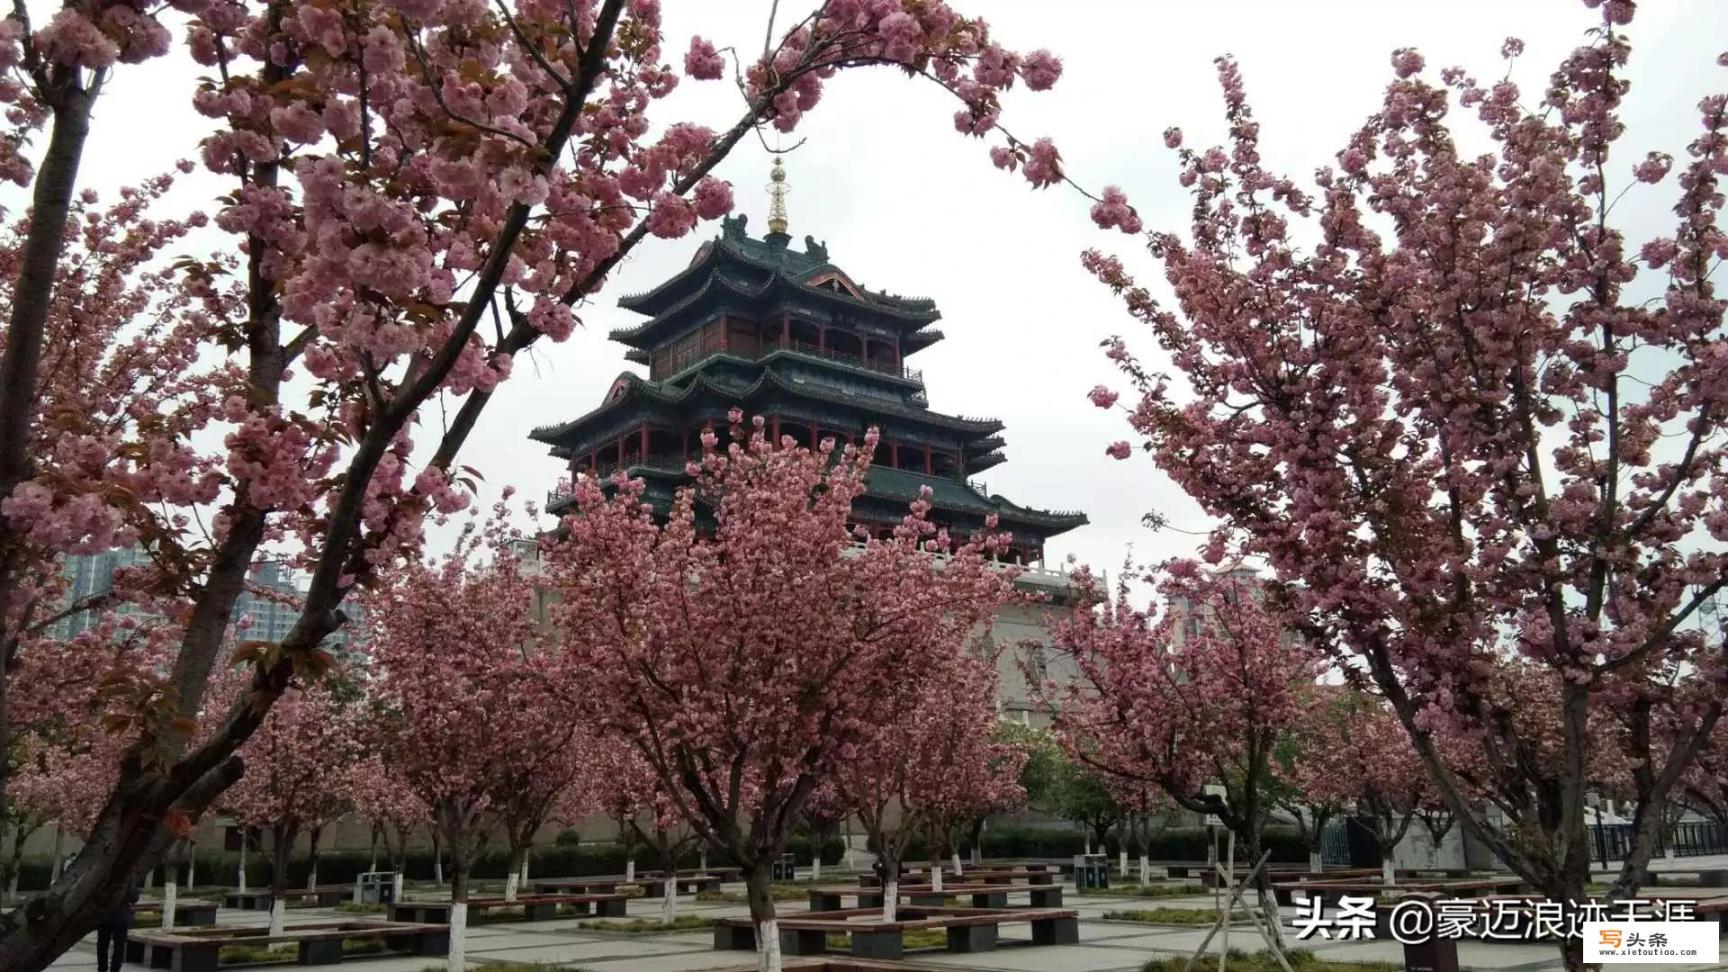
(677, 363)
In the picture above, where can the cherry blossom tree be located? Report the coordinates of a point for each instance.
(412, 193)
(939, 764)
(384, 798)
(1312, 793)
(1181, 706)
(823, 814)
(462, 679)
(297, 779)
(1468, 423)
(750, 642)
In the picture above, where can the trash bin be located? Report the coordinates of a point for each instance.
(375, 887)
(1091, 871)
(784, 869)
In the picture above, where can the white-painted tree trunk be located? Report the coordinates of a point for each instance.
(936, 880)
(437, 866)
(1315, 863)
(150, 878)
(1145, 869)
(170, 891)
(816, 866)
(669, 902)
(957, 871)
(702, 856)
(1388, 873)
(12, 885)
(525, 859)
(1088, 845)
(1122, 861)
(630, 870)
(510, 882)
(396, 887)
(768, 946)
(458, 937)
(192, 869)
(278, 915)
(59, 858)
(241, 882)
(890, 899)
(312, 875)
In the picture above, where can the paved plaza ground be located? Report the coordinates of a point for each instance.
(1105, 946)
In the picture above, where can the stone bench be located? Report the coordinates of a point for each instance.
(535, 907)
(327, 896)
(982, 895)
(968, 929)
(186, 913)
(652, 887)
(979, 875)
(321, 944)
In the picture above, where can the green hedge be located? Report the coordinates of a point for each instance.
(340, 867)
(1175, 844)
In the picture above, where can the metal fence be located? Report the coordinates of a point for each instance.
(1689, 838)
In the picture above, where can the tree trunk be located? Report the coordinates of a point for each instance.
(457, 836)
(312, 871)
(630, 870)
(437, 860)
(890, 880)
(283, 836)
(513, 880)
(372, 862)
(192, 867)
(245, 841)
(170, 893)
(1388, 869)
(59, 856)
(669, 900)
(757, 878)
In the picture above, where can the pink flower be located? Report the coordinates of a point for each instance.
(703, 62)
(1172, 137)
(1113, 211)
(1512, 48)
(1043, 164)
(1102, 396)
(1041, 69)
(1119, 450)
(672, 216)
(1003, 157)
(1654, 167)
(1406, 61)
(713, 198)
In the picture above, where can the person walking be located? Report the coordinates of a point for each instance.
(111, 933)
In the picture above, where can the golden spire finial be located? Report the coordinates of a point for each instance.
(777, 198)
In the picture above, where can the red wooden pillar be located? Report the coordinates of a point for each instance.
(594, 461)
(774, 430)
(821, 338)
(785, 331)
(644, 442)
(894, 455)
(815, 436)
(928, 467)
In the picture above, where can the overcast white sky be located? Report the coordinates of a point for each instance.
(907, 204)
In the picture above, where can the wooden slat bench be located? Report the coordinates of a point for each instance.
(652, 887)
(325, 896)
(535, 907)
(969, 929)
(186, 913)
(972, 876)
(200, 950)
(832, 898)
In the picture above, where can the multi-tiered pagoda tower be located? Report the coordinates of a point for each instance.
(787, 335)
